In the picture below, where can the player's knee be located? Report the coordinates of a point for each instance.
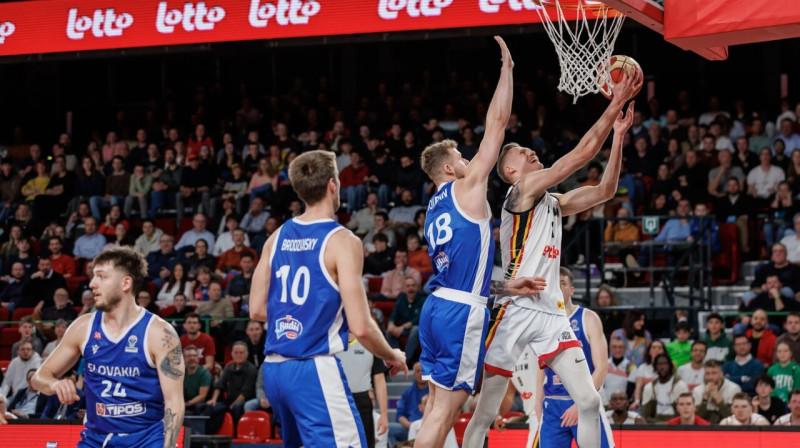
(589, 402)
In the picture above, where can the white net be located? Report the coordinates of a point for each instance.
(584, 46)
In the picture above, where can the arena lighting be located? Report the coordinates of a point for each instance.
(53, 26)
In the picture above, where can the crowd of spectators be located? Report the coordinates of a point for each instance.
(199, 202)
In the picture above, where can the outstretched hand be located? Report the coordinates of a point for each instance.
(623, 122)
(506, 55)
(525, 285)
(628, 87)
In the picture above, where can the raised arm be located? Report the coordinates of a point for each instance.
(56, 365)
(580, 199)
(346, 252)
(165, 348)
(535, 183)
(259, 286)
(496, 121)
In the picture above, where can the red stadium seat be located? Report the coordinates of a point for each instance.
(185, 225)
(167, 311)
(74, 282)
(253, 427)
(227, 426)
(374, 284)
(726, 262)
(461, 426)
(513, 414)
(9, 336)
(167, 225)
(387, 308)
(5, 315)
(4, 365)
(19, 313)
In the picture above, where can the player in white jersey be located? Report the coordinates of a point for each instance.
(531, 233)
(523, 380)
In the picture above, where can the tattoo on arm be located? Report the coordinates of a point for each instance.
(497, 286)
(170, 365)
(171, 428)
(513, 199)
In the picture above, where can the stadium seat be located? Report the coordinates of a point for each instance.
(253, 427)
(461, 426)
(167, 225)
(386, 308)
(19, 313)
(186, 224)
(374, 284)
(227, 426)
(4, 365)
(513, 414)
(5, 315)
(167, 311)
(726, 262)
(74, 282)
(8, 337)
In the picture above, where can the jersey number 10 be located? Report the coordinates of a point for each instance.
(443, 231)
(302, 275)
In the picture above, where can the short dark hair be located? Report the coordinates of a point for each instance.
(686, 395)
(380, 237)
(383, 215)
(565, 272)
(247, 255)
(127, 260)
(310, 173)
(713, 363)
(191, 316)
(715, 316)
(683, 325)
(700, 343)
(793, 393)
(765, 379)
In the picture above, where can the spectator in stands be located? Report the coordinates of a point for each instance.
(9, 189)
(198, 139)
(402, 215)
(791, 335)
(76, 223)
(744, 368)
(255, 338)
(413, 429)
(116, 188)
(90, 244)
(692, 373)
(197, 382)
(206, 349)
(404, 320)
(197, 232)
(394, 280)
(230, 260)
(763, 180)
(41, 286)
(238, 288)
(27, 332)
(234, 189)
(686, 412)
(61, 263)
(788, 274)
(382, 259)
(619, 370)
(60, 190)
(261, 237)
(660, 396)
(743, 157)
(764, 403)
(762, 338)
(363, 221)
(61, 309)
(677, 229)
(25, 256)
(255, 218)
(637, 338)
(380, 226)
(28, 402)
(680, 349)
(785, 371)
(735, 208)
(148, 241)
(757, 139)
(138, 191)
(645, 372)
(87, 301)
(692, 176)
(15, 378)
(773, 298)
(353, 180)
(702, 228)
(418, 257)
(161, 262)
(619, 413)
(54, 409)
(201, 284)
(200, 259)
(194, 187)
(260, 402)
(238, 382)
(38, 184)
(225, 239)
(166, 185)
(793, 417)
(59, 328)
(177, 283)
(15, 291)
(790, 138)
(742, 413)
(623, 231)
(716, 394)
(783, 214)
(215, 307)
(9, 248)
(145, 300)
(109, 227)
(408, 407)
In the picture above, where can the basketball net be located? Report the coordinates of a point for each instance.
(585, 47)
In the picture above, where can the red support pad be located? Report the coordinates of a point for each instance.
(646, 12)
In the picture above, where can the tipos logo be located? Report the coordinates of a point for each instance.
(120, 410)
(192, 17)
(285, 12)
(389, 9)
(6, 29)
(289, 327)
(101, 23)
(493, 6)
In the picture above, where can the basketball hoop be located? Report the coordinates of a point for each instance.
(584, 48)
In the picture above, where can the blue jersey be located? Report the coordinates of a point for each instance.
(461, 248)
(304, 310)
(123, 393)
(552, 384)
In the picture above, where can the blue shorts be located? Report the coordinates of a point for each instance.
(552, 435)
(152, 437)
(313, 403)
(452, 336)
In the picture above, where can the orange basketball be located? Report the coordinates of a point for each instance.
(616, 65)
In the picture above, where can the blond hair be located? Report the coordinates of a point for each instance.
(500, 171)
(309, 174)
(435, 156)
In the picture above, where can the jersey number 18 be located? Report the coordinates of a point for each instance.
(443, 232)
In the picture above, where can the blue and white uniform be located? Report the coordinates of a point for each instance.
(454, 320)
(124, 403)
(306, 326)
(557, 400)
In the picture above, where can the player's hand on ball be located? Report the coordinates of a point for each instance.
(628, 86)
(506, 55)
(398, 364)
(623, 122)
(526, 285)
(65, 390)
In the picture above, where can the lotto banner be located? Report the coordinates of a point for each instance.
(74, 25)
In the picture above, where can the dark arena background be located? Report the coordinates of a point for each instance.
(105, 105)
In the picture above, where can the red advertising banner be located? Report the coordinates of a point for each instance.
(73, 25)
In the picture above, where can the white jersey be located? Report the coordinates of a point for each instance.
(754, 419)
(524, 380)
(531, 244)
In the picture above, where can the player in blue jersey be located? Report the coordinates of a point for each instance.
(558, 414)
(308, 280)
(134, 365)
(454, 320)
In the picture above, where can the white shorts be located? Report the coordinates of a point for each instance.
(514, 327)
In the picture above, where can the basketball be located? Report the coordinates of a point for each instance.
(616, 65)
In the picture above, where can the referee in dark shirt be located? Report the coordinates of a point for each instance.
(363, 371)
